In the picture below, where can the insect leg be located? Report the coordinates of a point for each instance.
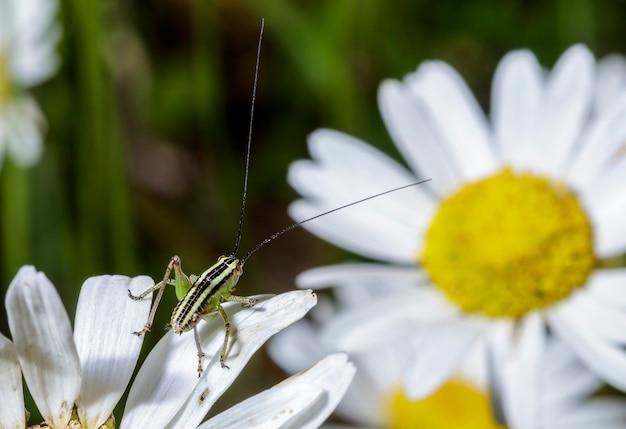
(175, 261)
(247, 302)
(194, 321)
(220, 309)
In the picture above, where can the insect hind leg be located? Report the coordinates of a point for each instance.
(175, 261)
(195, 320)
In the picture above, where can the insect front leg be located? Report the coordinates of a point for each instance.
(175, 261)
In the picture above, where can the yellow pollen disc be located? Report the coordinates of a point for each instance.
(509, 244)
(455, 405)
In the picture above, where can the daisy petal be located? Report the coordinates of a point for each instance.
(24, 135)
(364, 234)
(357, 329)
(608, 286)
(304, 400)
(516, 99)
(167, 380)
(568, 382)
(610, 80)
(107, 349)
(604, 320)
(605, 413)
(520, 373)
(414, 137)
(458, 118)
(599, 146)
(12, 413)
(568, 96)
(438, 353)
(605, 358)
(361, 283)
(341, 173)
(281, 406)
(45, 348)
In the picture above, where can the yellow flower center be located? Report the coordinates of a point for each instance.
(455, 405)
(509, 244)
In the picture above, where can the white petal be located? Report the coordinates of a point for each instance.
(610, 80)
(517, 94)
(279, 407)
(346, 170)
(361, 283)
(520, 372)
(439, 352)
(608, 285)
(603, 319)
(599, 148)
(168, 381)
(415, 137)
(33, 57)
(24, 135)
(567, 102)
(385, 319)
(304, 400)
(567, 382)
(43, 338)
(605, 413)
(374, 237)
(108, 351)
(12, 411)
(296, 347)
(334, 374)
(607, 219)
(603, 357)
(459, 121)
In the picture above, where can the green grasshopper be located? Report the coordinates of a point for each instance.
(201, 297)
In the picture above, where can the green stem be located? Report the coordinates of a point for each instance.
(15, 196)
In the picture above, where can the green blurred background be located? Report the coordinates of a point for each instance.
(148, 120)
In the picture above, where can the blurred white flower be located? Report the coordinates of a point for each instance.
(508, 234)
(78, 379)
(554, 391)
(28, 37)
(375, 399)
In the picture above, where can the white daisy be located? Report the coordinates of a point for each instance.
(375, 398)
(78, 379)
(520, 211)
(28, 36)
(550, 390)
(88, 369)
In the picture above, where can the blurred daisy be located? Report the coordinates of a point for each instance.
(78, 379)
(512, 227)
(375, 399)
(28, 35)
(549, 389)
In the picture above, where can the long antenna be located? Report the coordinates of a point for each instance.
(245, 177)
(298, 224)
